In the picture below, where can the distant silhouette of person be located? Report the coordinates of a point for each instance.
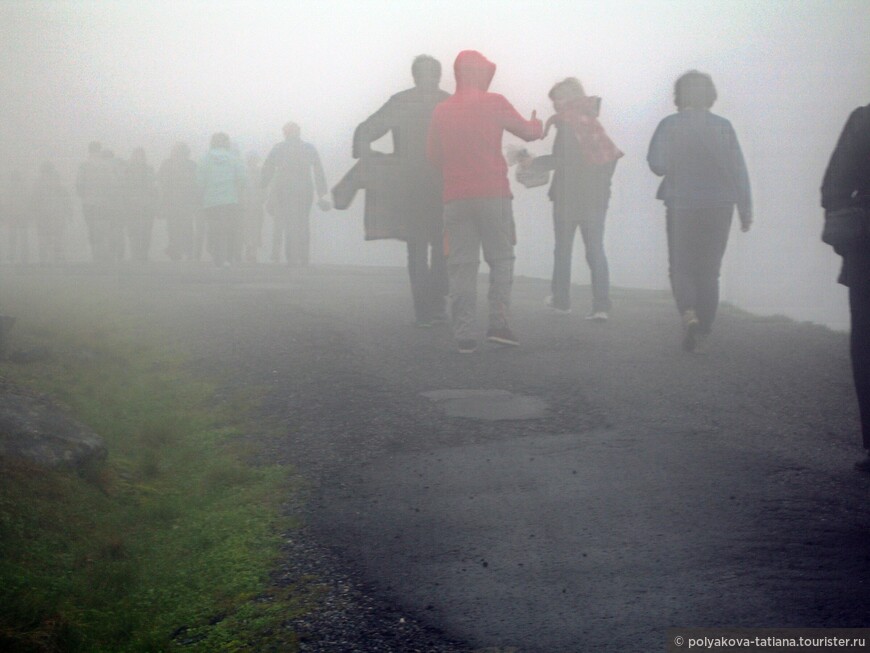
(465, 144)
(287, 176)
(52, 210)
(221, 177)
(19, 218)
(252, 230)
(847, 181)
(179, 201)
(698, 155)
(117, 208)
(583, 159)
(94, 186)
(141, 196)
(418, 189)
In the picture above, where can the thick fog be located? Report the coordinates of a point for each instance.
(133, 74)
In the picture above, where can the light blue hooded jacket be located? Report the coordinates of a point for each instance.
(221, 176)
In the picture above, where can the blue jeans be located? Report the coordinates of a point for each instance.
(591, 224)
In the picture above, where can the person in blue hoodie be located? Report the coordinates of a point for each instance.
(704, 176)
(221, 177)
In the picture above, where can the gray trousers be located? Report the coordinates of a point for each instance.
(471, 225)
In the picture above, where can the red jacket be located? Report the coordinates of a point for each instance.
(466, 130)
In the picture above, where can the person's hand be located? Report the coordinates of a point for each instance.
(324, 203)
(745, 225)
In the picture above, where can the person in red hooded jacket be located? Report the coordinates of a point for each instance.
(465, 144)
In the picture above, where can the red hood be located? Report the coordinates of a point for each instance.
(473, 70)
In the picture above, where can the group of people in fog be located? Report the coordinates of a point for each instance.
(447, 179)
(444, 191)
(216, 204)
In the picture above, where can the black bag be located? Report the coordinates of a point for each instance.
(845, 228)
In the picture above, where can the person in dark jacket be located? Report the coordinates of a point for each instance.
(287, 176)
(698, 155)
(464, 142)
(417, 190)
(95, 186)
(583, 159)
(847, 181)
(140, 204)
(179, 201)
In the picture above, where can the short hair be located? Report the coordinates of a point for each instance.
(291, 130)
(425, 66)
(220, 140)
(695, 90)
(570, 86)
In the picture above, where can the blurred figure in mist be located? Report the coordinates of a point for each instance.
(52, 211)
(465, 144)
(18, 218)
(583, 159)
(141, 195)
(221, 179)
(847, 182)
(406, 116)
(94, 186)
(698, 155)
(179, 202)
(287, 176)
(252, 229)
(117, 208)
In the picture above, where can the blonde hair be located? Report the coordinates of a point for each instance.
(570, 86)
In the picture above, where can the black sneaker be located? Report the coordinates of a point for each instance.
(502, 336)
(466, 346)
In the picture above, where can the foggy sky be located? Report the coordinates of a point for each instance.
(147, 74)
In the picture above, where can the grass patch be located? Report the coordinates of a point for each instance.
(166, 546)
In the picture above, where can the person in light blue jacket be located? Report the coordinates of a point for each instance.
(704, 177)
(221, 176)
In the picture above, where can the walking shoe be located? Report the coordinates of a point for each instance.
(863, 465)
(548, 300)
(466, 346)
(690, 330)
(502, 336)
(598, 316)
(702, 344)
(423, 324)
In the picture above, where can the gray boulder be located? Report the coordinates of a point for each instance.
(36, 430)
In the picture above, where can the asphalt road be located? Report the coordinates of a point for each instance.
(583, 492)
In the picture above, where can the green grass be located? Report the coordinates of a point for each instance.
(166, 546)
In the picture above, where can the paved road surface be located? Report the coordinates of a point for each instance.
(583, 492)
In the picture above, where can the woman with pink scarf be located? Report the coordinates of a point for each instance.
(583, 161)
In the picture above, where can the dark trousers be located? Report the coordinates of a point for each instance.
(859, 305)
(591, 224)
(696, 244)
(291, 233)
(427, 270)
